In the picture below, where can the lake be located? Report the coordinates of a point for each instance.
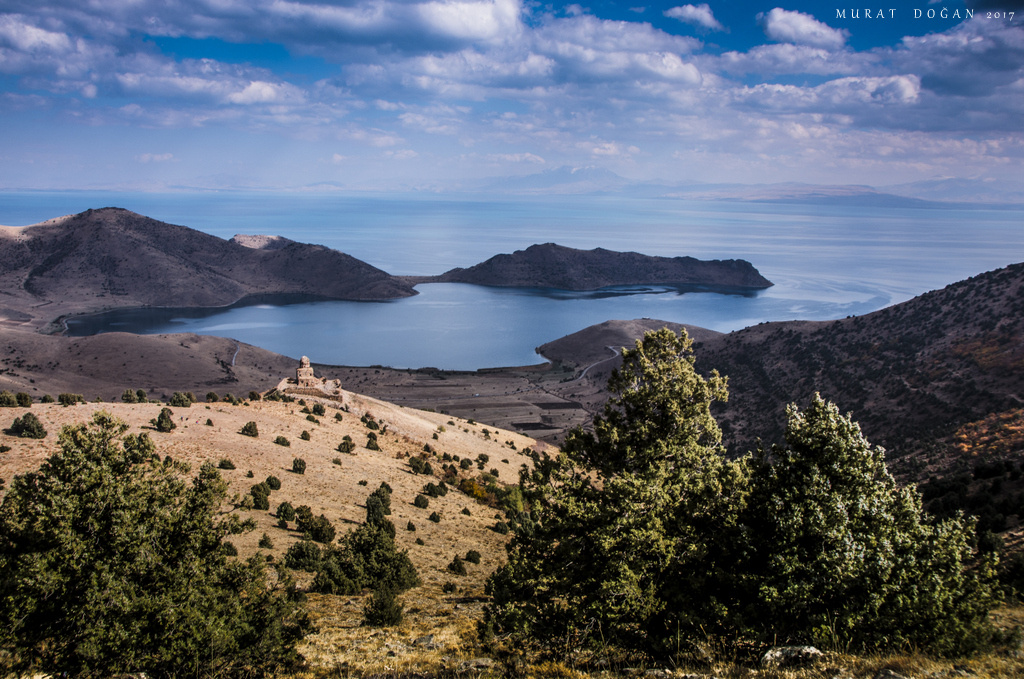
(826, 262)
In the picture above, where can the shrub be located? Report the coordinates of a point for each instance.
(250, 474)
(465, 463)
(421, 501)
(382, 609)
(254, 396)
(465, 510)
(282, 441)
(225, 463)
(266, 542)
(260, 496)
(319, 409)
(209, 422)
(72, 399)
(311, 418)
(319, 529)
(273, 482)
(448, 587)
(181, 400)
(229, 549)
(473, 556)
(141, 396)
(27, 426)
(211, 397)
(8, 400)
(371, 442)
(299, 466)
(47, 398)
(336, 461)
(456, 566)
(286, 511)
(304, 555)
(362, 482)
(419, 541)
(304, 435)
(164, 422)
(411, 527)
(249, 429)
(435, 517)
(24, 400)
(501, 528)
(202, 613)
(337, 417)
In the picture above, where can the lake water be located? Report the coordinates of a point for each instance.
(826, 262)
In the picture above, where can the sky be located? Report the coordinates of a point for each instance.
(435, 95)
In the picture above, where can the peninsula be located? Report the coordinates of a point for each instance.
(556, 266)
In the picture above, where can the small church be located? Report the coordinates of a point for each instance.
(306, 383)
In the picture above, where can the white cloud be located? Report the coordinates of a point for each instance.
(155, 157)
(802, 29)
(698, 15)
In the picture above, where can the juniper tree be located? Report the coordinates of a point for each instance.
(630, 524)
(112, 563)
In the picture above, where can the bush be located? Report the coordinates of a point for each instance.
(209, 422)
(456, 566)
(286, 511)
(164, 422)
(319, 409)
(304, 555)
(346, 445)
(198, 614)
(473, 556)
(27, 426)
(304, 435)
(421, 501)
(337, 417)
(128, 396)
(501, 528)
(47, 398)
(248, 429)
(312, 418)
(181, 400)
(282, 441)
(253, 396)
(448, 587)
(465, 463)
(319, 529)
(435, 517)
(211, 397)
(411, 527)
(273, 482)
(465, 510)
(8, 400)
(299, 466)
(260, 496)
(419, 541)
(72, 399)
(266, 542)
(382, 609)
(24, 400)
(225, 463)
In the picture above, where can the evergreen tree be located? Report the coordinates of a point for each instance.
(110, 563)
(164, 422)
(844, 557)
(28, 426)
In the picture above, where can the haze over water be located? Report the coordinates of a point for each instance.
(826, 262)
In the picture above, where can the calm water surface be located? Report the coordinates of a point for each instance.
(826, 262)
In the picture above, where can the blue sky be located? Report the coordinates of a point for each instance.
(437, 94)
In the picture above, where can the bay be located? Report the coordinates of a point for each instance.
(826, 262)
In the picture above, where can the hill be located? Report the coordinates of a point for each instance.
(555, 266)
(336, 485)
(110, 258)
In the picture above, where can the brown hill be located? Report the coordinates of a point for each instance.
(108, 258)
(555, 266)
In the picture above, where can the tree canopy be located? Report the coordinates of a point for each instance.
(111, 562)
(642, 535)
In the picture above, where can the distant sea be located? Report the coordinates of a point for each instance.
(827, 262)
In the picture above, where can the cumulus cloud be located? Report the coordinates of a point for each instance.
(698, 15)
(155, 157)
(801, 29)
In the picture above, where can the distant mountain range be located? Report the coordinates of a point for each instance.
(555, 266)
(938, 192)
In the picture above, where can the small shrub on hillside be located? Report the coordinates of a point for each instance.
(304, 435)
(225, 463)
(362, 482)
(266, 542)
(250, 474)
(72, 399)
(228, 549)
(346, 445)
(164, 422)
(27, 426)
(319, 529)
(8, 399)
(209, 422)
(312, 418)
(421, 501)
(382, 609)
(250, 429)
(260, 496)
(286, 511)
(473, 556)
(465, 463)
(304, 555)
(448, 587)
(211, 397)
(282, 441)
(24, 400)
(419, 541)
(465, 510)
(319, 409)
(336, 461)
(501, 528)
(337, 417)
(47, 399)
(299, 465)
(371, 442)
(273, 482)
(411, 527)
(456, 566)
(181, 399)
(435, 517)
(4, 449)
